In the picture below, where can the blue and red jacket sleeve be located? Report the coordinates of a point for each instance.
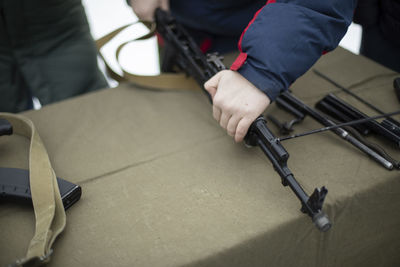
(286, 37)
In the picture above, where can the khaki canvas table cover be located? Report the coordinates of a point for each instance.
(164, 185)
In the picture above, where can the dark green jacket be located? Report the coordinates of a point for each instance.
(46, 51)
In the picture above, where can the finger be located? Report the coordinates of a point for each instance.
(216, 113)
(164, 4)
(232, 125)
(211, 85)
(224, 119)
(242, 128)
(143, 12)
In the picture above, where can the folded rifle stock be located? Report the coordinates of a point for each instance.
(182, 52)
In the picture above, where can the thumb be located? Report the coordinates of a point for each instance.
(211, 85)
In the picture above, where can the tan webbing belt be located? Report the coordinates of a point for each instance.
(164, 81)
(47, 204)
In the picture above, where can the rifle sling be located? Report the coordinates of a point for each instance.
(49, 211)
(164, 81)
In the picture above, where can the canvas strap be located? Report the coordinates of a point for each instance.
(164, 81)
(47, 204)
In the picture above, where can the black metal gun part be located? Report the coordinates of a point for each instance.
(396, 86)
(5, 127)
(342, 111)
(14, 186)
(260, 135)
(14, 183)
(182, 51)
(286, 127)
(347, 91)
(339, 125)
(340, 115)
(299, 105)
(191, 60)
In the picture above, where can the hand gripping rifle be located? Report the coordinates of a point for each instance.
(180, 50)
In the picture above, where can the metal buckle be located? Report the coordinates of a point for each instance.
(33, 262)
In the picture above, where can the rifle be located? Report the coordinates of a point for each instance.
(183, 52)
(344, 112)
(290, 100)
(388, 125)
(14, 183)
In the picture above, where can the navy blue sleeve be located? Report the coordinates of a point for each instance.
(287, 37)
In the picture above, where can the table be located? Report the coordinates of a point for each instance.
(163, 184)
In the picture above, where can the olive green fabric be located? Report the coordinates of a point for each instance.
(46, 51)
(48, 207)
(163, 184)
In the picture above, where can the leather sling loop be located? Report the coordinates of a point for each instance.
(164, 81)
(47, 204)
